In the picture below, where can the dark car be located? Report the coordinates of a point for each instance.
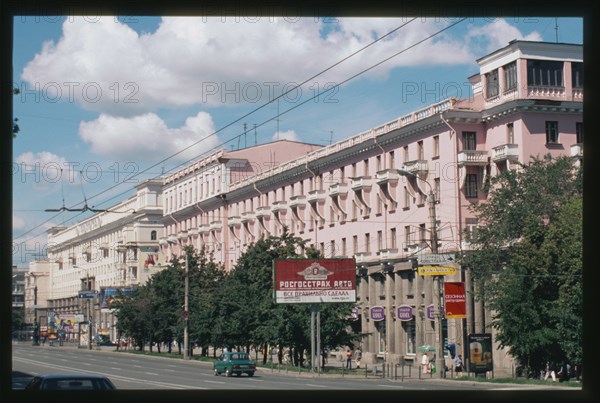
(70, 382)
(231, 363)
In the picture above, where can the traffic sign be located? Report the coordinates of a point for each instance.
(437, 258)
(87, 294)
(436, 270)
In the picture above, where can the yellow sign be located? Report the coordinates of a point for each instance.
(436, 270)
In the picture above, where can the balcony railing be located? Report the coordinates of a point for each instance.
(389, 253)
(234, 220)
(338, 189)
(361, 182)
(417, 167)
(472, 157)
(279, 206)
(203, 228)
(546, 91)
(248, 216)
(297, 201)
(505, 152)
(315, 195)
(387, 175)
(182, 234)
(263, 211)
(216, 225)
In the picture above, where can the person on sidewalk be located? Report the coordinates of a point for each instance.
(348, 359)
(357, 357)
(425, 364)
(458, 365)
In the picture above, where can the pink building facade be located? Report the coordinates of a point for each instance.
(349, 199)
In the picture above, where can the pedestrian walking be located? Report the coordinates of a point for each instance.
(458, 365)
(357, 357)
(349, 359)
(550, 372)
(425, 364)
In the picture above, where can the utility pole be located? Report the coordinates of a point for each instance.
(438, 282)
(36, 326)
(186, 341)
(90, 319)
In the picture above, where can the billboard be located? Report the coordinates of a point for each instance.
(480, 352)
(108, 295)
(455, 300)
(314, 280)
(151, 258)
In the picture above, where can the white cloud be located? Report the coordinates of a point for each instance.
(146, 138)
(42, 169)
(286, 135)
(497, 34)
(189, 61)
(18, 223)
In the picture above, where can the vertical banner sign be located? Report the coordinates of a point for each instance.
(480, 352)
(314, 280)
(455, 300)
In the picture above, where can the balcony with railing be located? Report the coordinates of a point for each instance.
(182, 235)
(248, 216)
(545, 91)
(386, 176)
(215, 225)
(417, 167)
(315, 196)
(361, 182)
(234, 221)
(193, 232)
(296, 201)
(263, 211)
(338, 189)
(389, 253)
(505, 152)
(472, 157)
(361, 257)
(279, 206)
(203, 228)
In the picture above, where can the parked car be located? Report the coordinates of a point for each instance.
(70, 382)
(237, 363)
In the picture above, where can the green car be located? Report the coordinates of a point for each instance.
(234, 363)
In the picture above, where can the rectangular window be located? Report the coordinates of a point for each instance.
(471, 185)
(406, 198)
(406, 154)
(510, 77)
(379, 209)
(420, 151)
(422, 234)
(551, 132)
(366, 167)
(392, 160)
(436, 146)
(491, 84)
(393, 242)
(577, 74)
(470, 225)
(510, 133)
(579, 132)
(343, 246)
(544, 73)
(354, 170)
(378, 163)
(410, 330)
(367, 242)
(408, 236)
(469, 141)
(332, 247)
(379, 240)
(355, 244)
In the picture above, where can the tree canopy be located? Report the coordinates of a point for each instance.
(527, 259)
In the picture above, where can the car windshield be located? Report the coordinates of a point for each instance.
(239, 356)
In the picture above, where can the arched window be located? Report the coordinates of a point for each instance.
(153, 236)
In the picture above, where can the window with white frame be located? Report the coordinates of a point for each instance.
(544, 73)
(406, 198)
(393, 242)
(471, 185)
(379, 240)
(492, 85)
(551, 132)
(469, 140)
(367, 242)
(577, 74)
(579, 132)
(510, 76)
(436, 146)
(510, 133)
(420, 150)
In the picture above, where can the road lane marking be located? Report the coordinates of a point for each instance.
(315, 385)
(151, 373)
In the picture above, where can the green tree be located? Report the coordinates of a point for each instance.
(527, 260)
(16, 129)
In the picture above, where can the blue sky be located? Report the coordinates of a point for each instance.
(107, 98)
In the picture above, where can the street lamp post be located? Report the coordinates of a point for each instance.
(437, 280)
(186, 341)
(36, 326)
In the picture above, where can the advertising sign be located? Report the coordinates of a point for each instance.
(404, 313)
(455, 300)
(108, 295)
(314, 280)
(153, 260)
(480, 352)
(436, 270)
(377, 313)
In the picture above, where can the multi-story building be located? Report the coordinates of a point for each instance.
(114, 249)
(365, 197)
(353, 198)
